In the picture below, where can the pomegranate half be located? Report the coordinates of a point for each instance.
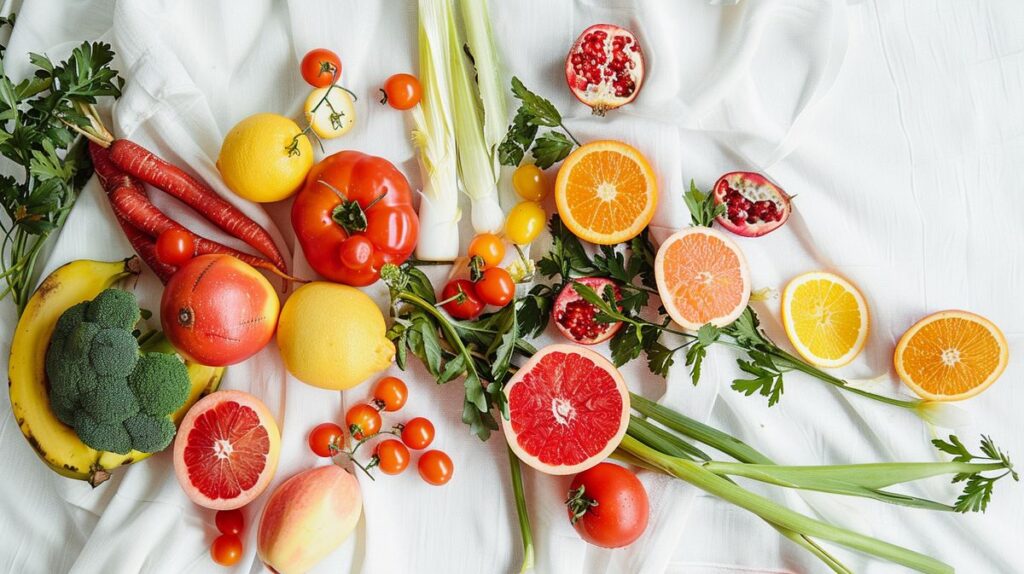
(754, 205)
(605, 67)
(575, 316)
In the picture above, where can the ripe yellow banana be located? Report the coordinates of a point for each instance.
(54, 442)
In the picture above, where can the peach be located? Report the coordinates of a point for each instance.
(307, 517)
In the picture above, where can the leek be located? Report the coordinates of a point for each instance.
(478, 167)
(434, 137)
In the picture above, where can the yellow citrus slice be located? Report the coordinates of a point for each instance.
(951, 355)
(825, 317)
(606, 192)
(702, 278)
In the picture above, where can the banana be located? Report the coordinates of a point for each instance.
(54, 442)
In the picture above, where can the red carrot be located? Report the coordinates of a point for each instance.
(139, 162)
(146, 248)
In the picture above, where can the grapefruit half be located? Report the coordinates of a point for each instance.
(226, 450)
(568, 410)
(702, 278)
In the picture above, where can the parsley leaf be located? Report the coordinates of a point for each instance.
(703, 209)
(540, 112)
(534, 111)
(519, 138)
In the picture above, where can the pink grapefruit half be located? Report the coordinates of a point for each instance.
(568, 410)
(226, 450)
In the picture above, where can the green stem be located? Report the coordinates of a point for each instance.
(796, 364)
(711, 483)
(521, 511)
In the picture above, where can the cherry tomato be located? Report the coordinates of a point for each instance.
(321, 68)
(528, 181)
(488, 247)
(392, 456)
(356, 252)
(362, 421)
(524, 222)
(175, 247)
(435, 467)
(230, 521)
(326, 439)
(390, 394)
(608, 505)
(418, 433)
(496, 287)
(226, 550)
(469, 307)
(401, 91)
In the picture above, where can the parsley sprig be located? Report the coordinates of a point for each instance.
(535, 112)
(35, 136)
(978, 487)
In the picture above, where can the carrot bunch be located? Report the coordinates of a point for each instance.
(123, 166)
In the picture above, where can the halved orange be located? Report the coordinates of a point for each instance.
(702, 278)
(951, 355)
(606, 192)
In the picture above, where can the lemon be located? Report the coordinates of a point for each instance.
(262, 160)
(332, 336)
(826, 318)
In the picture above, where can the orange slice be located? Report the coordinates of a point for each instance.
(702, 278)
(826, 318)
(951, 355)
(606, 192)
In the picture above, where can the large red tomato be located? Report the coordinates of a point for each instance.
(354, 215)
(608, 505)
(218, 311)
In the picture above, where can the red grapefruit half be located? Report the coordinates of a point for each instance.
(226, 450)
(568, 410)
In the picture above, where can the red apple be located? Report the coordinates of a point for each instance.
(218, 311)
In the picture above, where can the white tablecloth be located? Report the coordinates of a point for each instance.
(898, 124)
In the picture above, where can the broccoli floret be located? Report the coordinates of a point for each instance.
(150, 434)
(111, 402)
(161, 383)
(116, 396)
(109, 437)
(114, 353)
(114, 308)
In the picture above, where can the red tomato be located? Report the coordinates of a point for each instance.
(326, 439)
(390, 394)
(608, 505)
(230, 521)
(435, 467)
(175, 247)
(470, 304)
(496, 287)
(392, 456)
(354, 215)
(489, 248)
(226, 550)
(362, 421)
(401, 91)
(321, 68)
(418, 433)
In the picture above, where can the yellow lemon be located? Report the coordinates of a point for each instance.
(265, 158)
(825, 317)
(332, 336)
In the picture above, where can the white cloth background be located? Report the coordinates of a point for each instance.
(898, 124)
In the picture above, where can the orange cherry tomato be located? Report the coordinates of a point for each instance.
(489, 248)
(326, 439)
(496, 287)
(435, 467)
(418, 433)
(175, 247)
(401, 91)
(390, 394)
(321, 68)
(392, 456)
(362, 421)
(226, 550)
(230, 521)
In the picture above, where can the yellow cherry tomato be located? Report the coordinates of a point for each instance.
(528, 181)
(524, 222)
